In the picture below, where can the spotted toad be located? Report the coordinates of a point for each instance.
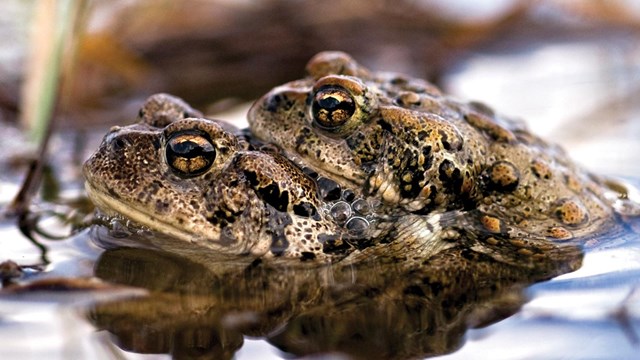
(458, 170)
(197, 181)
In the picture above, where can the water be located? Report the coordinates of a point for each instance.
(202, 310)
(592, 313)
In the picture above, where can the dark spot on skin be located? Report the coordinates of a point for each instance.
(214, 220)
(408, 159)
(450, 176)
(302, 137)
(429, 227)
(385, 125)
(224, 150)
(307, 255)
(423, 134)
(162, 206)
(271, 195)
(194, 204)
(410, 182)
(223, 218)
(444, 140)
(162, 119)
(252, 177)
(428, 162)
(355, 140)
(306, 209)
(455, 143)
(154, 187)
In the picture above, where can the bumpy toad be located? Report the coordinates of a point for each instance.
(458, 170)
(198, 182)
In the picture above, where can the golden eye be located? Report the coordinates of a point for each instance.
(332, 106)
(189, 153)
(339, 104)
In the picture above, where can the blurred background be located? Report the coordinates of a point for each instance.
(569, 68)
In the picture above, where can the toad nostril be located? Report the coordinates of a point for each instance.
(274, 102)
(118, 144)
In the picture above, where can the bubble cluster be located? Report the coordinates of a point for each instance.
(354, 214)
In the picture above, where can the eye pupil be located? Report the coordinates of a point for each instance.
(190, 154)
(187, 149)
(328, 103)
(332, 107)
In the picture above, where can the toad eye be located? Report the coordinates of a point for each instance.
(189, 153)
(332, 106)
(338, 105)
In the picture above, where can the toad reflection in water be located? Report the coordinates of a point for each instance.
(359, 207)
(370, 310)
